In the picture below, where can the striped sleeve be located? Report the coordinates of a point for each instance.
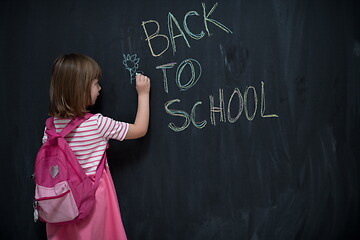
(111, 129)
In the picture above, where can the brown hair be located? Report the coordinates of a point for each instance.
(70, 87)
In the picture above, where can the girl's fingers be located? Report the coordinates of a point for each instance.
(142, 83)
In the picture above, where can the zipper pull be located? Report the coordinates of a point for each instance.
(36, 212)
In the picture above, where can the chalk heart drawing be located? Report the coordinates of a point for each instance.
(131, 63)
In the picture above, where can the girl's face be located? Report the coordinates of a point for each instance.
(95, 89)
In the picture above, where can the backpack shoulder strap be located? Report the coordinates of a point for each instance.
(70, 126)
(100, 168)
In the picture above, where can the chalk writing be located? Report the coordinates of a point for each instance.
(241, 106)
(189, 118)
(201, 124)
(247, 105)
(187, 30)
(154, 35)
(179, 113)
(194, 79)
(163, 68)
(221, 110)
(207, 19)
(195, 75)
(172, 20)
(131, 63)
(262, 106)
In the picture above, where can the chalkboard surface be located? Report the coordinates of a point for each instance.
(255, 111)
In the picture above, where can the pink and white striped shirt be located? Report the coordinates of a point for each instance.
(89, 139)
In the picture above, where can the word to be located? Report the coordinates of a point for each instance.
(187, 62)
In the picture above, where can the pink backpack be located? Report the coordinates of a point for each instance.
(63, 192)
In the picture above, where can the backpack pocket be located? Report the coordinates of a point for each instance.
(56, 204)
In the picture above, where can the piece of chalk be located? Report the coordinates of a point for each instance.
(137, 74)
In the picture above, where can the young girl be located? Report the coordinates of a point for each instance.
(74, 87)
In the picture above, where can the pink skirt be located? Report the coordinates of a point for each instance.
(104, 222)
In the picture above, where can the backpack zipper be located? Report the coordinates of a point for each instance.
(36, 212)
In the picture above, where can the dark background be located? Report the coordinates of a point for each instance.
(291, 177)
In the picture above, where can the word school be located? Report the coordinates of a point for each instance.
(221, 109)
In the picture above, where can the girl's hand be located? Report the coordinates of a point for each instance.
(142, 84)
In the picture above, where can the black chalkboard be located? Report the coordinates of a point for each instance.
(255, 111)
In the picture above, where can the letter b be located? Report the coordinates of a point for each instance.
(154, 35)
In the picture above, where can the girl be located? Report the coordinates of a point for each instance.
(74, 87)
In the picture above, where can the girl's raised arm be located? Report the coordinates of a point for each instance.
(140, 126)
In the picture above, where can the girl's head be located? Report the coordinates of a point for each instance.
(74, 85)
